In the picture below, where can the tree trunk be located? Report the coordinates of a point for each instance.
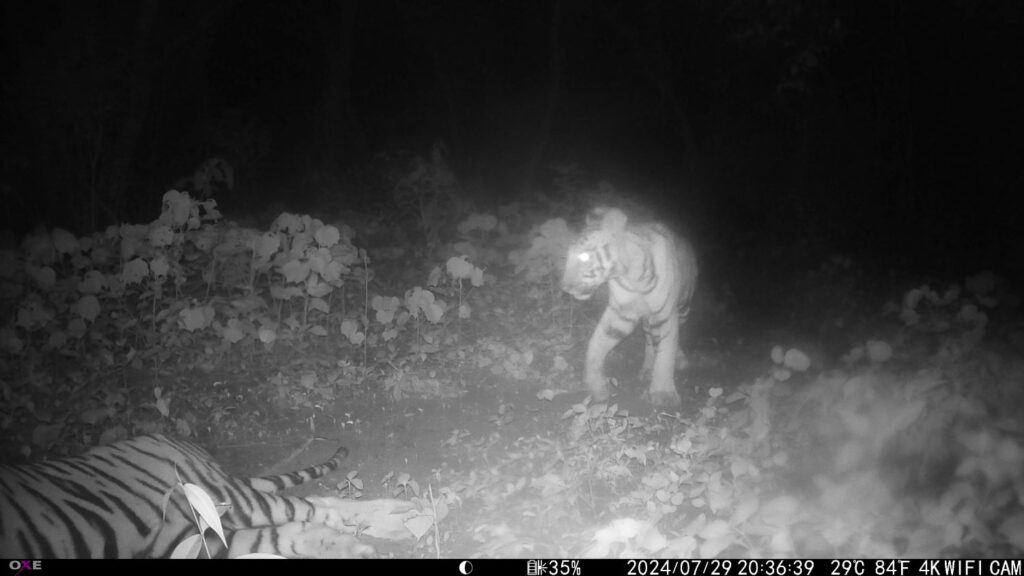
(554, 87)
(342, 132)
(140, 89)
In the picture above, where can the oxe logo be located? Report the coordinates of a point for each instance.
(20, 567)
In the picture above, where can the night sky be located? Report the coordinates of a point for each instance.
(886, 129)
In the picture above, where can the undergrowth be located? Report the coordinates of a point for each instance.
(905, 443)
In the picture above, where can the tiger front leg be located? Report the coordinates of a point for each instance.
(609, 332)
(293, 540)
(662, 345)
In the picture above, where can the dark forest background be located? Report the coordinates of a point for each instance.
(888, 128)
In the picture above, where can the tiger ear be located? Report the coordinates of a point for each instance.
(595, 216)
(613, 220)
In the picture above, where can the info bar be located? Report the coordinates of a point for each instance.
(551, 567)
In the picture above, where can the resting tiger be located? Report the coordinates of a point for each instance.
(651, 276)
(112, 502)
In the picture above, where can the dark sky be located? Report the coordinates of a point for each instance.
(882, 124)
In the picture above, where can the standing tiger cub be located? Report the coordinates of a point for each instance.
(123, 501)
(651, 276)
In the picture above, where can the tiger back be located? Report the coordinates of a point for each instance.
(112, 502)
(651, 276)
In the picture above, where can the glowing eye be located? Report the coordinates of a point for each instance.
(585, 257)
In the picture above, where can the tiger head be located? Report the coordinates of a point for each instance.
(590, 263)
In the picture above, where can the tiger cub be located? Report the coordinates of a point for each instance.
(651, 276)
(112, 502)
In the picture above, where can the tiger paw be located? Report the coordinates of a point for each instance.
(597, 396)
(383, 519)
(324, 542)
(599, 388)
(664, 398)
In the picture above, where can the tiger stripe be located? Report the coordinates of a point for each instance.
(651, 276)
(112, 502)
